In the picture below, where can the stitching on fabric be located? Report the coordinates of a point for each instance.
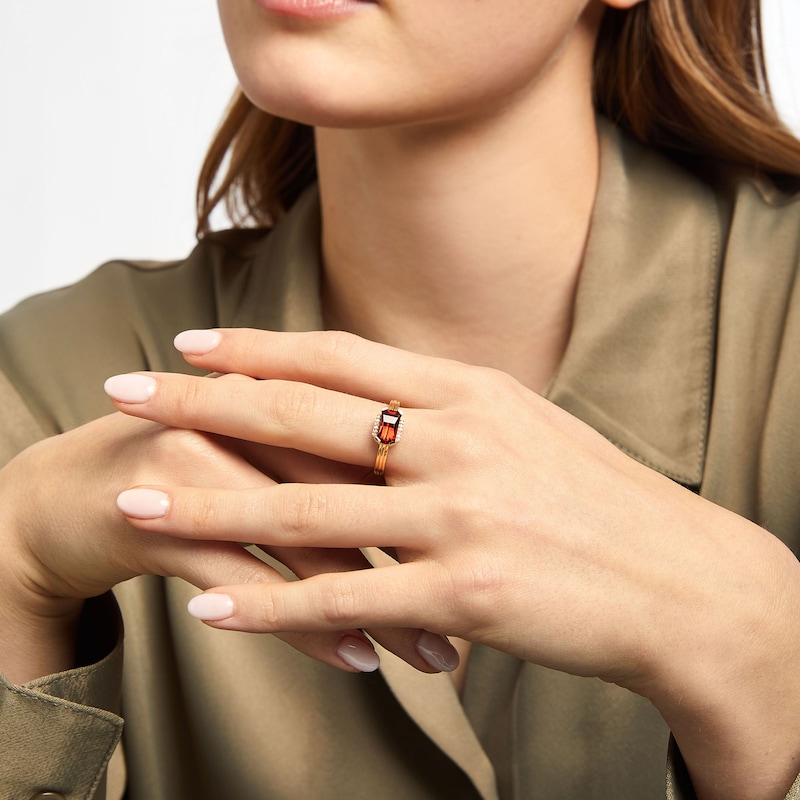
(101, 715)
(86, 672)
(98, 714)
(685, 480)
(713, 291)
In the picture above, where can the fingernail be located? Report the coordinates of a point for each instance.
(437, 651)
(130, 388)
(143, 503)
(197, 343)
(211, 607)
(358, 654)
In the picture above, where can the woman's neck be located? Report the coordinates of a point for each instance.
(463, 242)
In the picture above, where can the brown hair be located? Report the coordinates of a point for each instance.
(270, 161)
(687, 75)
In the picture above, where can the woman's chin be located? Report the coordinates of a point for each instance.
(321, 105)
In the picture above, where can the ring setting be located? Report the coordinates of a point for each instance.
(386, 431)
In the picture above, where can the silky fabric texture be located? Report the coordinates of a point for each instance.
(684, 353)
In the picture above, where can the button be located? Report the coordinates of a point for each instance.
(48, 796)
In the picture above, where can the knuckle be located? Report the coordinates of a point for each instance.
(250, 346)
(176, 446)
(289, 405)
(468, 511)
(487, 384)
(221, 563)
(254, 571)
(271, 612)
(189, 396)
(303, 511)
(477, 590)
(192, 443)
(203, 514)
(339, 605)
(332, 349)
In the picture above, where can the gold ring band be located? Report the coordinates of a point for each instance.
(386, 431)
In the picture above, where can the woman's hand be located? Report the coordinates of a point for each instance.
(514, 525)
(64, 539)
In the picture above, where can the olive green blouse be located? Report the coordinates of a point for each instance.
(685, 353)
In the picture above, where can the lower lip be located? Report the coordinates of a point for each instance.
(315, 9)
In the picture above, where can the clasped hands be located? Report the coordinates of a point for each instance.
(512, 523)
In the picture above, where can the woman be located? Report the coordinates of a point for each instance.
(592, 345)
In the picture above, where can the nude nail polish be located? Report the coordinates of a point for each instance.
(130, 388)
(358, 654)
(143, 503)
(438, 651)
(197, 343)
(211, 607)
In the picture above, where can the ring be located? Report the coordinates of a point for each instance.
(386, 431)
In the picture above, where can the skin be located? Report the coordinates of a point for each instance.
(470, 129)
(424, 129)
(52, 565)
(629, 578)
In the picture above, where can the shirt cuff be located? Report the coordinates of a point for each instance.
(57, 733)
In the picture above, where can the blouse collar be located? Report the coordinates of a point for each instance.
(638, 365)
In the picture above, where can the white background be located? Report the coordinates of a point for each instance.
(106, 108)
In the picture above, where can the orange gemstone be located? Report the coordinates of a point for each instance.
(388, 426)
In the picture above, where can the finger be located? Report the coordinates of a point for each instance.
(205, 564)
(325, 423)
(321, 602)
(398, 596)
(406, 643)
(292, 466)
(332, 359)
(303, 561)
(288, 515)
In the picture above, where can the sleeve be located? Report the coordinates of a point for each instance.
(58, 733)
(19, 428)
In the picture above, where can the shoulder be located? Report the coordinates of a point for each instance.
(714, 256)
(759, 215)
(760, 251)
(756, 423)
(757, 227)
(57, 348)
(751, 210)
(122, 293)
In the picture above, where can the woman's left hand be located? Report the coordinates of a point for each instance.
(513, 523)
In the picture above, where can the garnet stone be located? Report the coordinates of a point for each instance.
(388, 426)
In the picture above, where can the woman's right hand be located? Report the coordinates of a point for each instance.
(64, 540)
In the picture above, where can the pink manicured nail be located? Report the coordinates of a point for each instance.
(211, 607)
(197, 343)
(143, 503)
(358, 654)
(437, 651)
(130, 388)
